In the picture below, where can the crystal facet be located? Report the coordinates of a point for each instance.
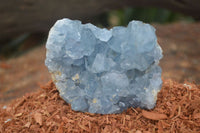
(104, 71)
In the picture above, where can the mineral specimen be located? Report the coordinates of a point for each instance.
(104, 71)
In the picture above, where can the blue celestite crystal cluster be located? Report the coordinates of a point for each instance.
(104, 71)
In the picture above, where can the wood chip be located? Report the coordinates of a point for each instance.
(38, 118)
(134, 110)
(60, 128)
(28, 124)
(19, 114)
(160, 127)
(196, 116)
(138, 131)
(153, 115)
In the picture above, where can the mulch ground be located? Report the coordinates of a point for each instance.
(177, 110)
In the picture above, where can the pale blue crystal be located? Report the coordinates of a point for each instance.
(102, 64)
(104, 71)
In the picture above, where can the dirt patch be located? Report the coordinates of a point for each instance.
(177, 110)
(181, 45)
(22, 74)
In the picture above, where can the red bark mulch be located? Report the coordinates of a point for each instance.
(177, 110)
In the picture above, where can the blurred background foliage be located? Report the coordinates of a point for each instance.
(23, 43)
(147, 15)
